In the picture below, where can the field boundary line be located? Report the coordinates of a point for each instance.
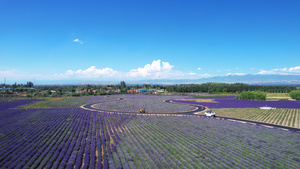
(263, 124)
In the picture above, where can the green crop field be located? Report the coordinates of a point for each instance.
(278, 95)
(284, 117)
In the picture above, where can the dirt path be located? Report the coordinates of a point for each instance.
(288, 98)
(197, 110)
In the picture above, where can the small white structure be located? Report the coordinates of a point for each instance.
(267, 108)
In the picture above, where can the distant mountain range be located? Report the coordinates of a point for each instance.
(247, 79)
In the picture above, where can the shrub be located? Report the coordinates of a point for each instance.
(253, 95)
(295, 94)
(75, 95)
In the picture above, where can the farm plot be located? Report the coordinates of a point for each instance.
(232, 102)
(70, 101)
(58, 138)
(6, 104)
(152, 104)
(77, 138)
(284, 117)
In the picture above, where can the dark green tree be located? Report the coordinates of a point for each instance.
(295, 94)
(29, 84)
(122, 84)
(14, 85)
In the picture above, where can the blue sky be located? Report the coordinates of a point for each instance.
(135, 40)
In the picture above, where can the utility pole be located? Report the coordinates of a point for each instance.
(34, 88)
(4, 88)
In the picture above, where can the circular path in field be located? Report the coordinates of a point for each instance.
(198, 111)
(198, 108)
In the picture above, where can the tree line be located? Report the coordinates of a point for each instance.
(122, 87)
(227, 88)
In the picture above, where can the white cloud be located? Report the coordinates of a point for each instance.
(154, 70)
(167, 66)
(199, 68)
(284, 71)
(157, 69)
(78, 41)
(161, 70)
(295, 69)
(91, 72)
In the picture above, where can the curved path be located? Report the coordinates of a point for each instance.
(197, 111)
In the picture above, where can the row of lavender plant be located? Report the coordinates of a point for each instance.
(76, 101)
(58, 138)
(285, 117)
(200, 142)
(232, 102)
(77, 138)
(15, 103)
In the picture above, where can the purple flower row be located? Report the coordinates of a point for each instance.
(57, 138)
(78, 101)
(232, 102)
(77, 138)
(200, 142)
(15, 103)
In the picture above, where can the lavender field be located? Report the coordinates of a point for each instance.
(6, 104)
(283, 117)
(128, 103)
(151, 103)
(78, 138)
(232, 102)
(70, 101)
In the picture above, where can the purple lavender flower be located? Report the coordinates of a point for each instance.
(232, 102)
(44, 138)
